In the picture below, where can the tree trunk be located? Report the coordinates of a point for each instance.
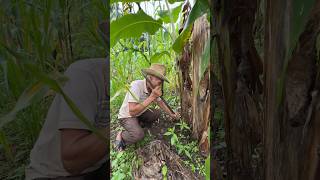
(184, 64)
(195, 101)
(288, 123)
(240, 67)
(275, 50)
(200, 95)
(291, 126)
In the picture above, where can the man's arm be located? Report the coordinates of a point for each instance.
(164, 108)
(81, 149)
(136, 108)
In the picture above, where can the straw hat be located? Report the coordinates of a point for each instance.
(157, 70)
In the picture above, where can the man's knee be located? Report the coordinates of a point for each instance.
(139, 135)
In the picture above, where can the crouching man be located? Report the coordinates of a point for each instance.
(134, 110)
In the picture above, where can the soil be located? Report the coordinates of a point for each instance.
(158, 153)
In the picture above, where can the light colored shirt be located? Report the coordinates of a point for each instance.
(86, 89)
(138, 93)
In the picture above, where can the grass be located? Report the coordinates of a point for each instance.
(18, 137)
(51, 35)
(122, 163)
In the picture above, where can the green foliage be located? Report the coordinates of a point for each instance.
(165, 14)
(38, 40)
(122, 163)
(205, 58)
(207, 167)
(14, 77)
(174, 137)
(127, 63)
(136, 48)
(182, 39)
(133, 25)
(183, 125)
(164, 171)
(300, 12)
(36, 91)
(220, 133)
(127, 1)
(157, 56)
(185, 147)
(200, 8)
(173, 1)
(5, 146)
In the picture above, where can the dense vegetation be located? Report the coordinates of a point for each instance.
(39, 39)
(39, 36)
(141, 34)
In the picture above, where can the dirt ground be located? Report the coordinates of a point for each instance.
(158, 153)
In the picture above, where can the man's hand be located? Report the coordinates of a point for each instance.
(156, 92)
(175, 116)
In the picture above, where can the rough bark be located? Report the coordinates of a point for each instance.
(302, 70)
(184, 64)
(240, 67)
(195, 101)
(200, 95)
(274, 62)
(288, 128)
(291, 126)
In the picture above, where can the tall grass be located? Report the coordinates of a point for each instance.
(51, 35)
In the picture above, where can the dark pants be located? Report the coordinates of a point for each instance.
(100, 174)
(133, 131)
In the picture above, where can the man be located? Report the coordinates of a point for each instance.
(134, 109)
(66, 148)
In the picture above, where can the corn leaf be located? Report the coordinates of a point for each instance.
(132, 26)
(156, 57)
(165, 14)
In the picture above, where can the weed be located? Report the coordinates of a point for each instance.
(185, 147)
